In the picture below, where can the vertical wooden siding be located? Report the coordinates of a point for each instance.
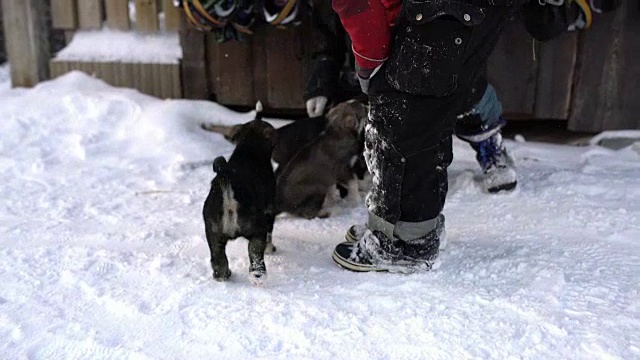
(90, 14)
(3, 53)
(161, 80)
(117, 13)
(147, 15)
(270, 66)
(607, 82)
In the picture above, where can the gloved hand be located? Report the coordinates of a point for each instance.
(316, 106)
(365, 76)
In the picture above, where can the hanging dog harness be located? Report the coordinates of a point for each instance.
(280, 13)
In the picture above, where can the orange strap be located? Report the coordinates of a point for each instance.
(285, 12)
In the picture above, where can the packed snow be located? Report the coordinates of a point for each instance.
(103, 254)
(107, 45)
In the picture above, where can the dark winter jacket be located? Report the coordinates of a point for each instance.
(371, 23)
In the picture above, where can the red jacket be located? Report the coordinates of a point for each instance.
(368, 23)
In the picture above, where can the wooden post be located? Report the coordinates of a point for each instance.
(27, 41)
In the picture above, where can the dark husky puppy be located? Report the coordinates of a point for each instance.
(304, 183)
(241, 199)
(295, 135)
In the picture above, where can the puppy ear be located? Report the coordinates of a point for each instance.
(269, 133)
(351, 122)
(234, 133)
(334, 113)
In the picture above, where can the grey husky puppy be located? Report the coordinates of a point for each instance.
(309, 179)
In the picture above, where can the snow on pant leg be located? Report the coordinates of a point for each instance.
(431, 76)
(408, 150)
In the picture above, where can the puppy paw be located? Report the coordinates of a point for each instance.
(257, 277)
(353, 199)
(323, 214)
(221, 275)
(270, 249)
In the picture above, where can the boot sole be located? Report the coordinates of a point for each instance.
(350, 237)
(505, 187)
(348, 265)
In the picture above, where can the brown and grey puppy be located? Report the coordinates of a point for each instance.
(306, 180)
(241, 200)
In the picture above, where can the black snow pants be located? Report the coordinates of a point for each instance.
(436, 71)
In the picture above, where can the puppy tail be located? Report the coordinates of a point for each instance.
(220, 129)
(259, 109)
(220, 165)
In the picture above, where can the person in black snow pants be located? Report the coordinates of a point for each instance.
(423, 65)
(333, 80)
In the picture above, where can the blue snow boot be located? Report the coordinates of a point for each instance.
(497, 166)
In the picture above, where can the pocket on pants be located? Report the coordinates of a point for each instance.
(429, 46)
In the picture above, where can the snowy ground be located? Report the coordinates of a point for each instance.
(103, 256)
(5, 77)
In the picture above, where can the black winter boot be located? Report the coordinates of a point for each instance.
(374, 251)
(356, 232)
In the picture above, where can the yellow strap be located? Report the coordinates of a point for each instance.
(242, 29)
(284, 13)
(192, 19)
(204, 13)
(587, 12)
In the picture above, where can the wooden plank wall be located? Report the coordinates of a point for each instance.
(270, 66)
(556, 68)
(64, 14)
(171, 15)
(607, 82)
(195, 77)
(3, 53)
(117, 12)
(147, 15)
(231, 71)
(590, 78)
(513, 71)
(161, 80)
(90, 14)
